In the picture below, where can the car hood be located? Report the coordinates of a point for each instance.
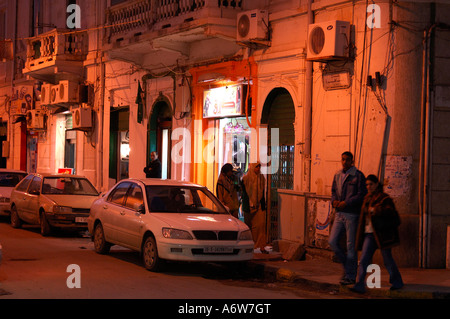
(74, 201)
(201, 221)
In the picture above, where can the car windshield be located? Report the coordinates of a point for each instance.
(68, 186)
(10, 179)
(185, 199)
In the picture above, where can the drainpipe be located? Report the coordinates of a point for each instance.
(308, 111)
(425, 153)
(101, 105)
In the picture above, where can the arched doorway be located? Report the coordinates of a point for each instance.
(279, 112)
(159, 134)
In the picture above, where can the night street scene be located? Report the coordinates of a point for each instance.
(211, 158)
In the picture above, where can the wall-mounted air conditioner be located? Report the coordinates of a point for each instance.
(82, 118)
(252, 25)
(328, 40)
(54, 94)
(45, 93)
(35, 120)
(68, 92)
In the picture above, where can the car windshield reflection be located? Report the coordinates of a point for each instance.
(175, 199)
(68, 186)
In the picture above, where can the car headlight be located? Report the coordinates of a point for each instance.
(62, 209)
(176, 233)
(246, 235)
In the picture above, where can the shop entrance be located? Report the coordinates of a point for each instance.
(279, 112)
(119, 148)
(159, 135)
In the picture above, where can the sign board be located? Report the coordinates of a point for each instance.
(223, 101)
(66, 171)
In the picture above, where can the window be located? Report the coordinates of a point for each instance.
(173, 199)
(35, 185)
(22, 187)
(117, 196)
(10, 179)
(135, 197)
(114, 2)
(68, 186)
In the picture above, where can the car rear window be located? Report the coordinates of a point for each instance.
(11, 179)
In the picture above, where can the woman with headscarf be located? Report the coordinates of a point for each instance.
(226, 191)
(254, 205)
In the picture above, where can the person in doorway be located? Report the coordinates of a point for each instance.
(153, 170)
(254, 204)
(377, 228)
(347, 194)
(226, 190)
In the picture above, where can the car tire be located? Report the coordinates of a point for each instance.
(150, 256)
(16, 222)
(100, 244)
(45, 226)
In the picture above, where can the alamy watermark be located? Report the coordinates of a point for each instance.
(74, 19)
(374, 19)
(257, 141)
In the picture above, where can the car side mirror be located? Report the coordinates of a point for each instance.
(141, 209)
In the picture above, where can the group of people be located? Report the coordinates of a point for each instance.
(362, 211)
(370, 221)
(253, 199)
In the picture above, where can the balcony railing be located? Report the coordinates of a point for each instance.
(133, 16)
(56, 45)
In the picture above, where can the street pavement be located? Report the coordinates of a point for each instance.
(323, 273)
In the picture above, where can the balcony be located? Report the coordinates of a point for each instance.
(152, 33)
(56, 55)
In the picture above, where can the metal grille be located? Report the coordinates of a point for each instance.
(282, 179)
(212, 235)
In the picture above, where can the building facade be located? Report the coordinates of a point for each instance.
(291, 84)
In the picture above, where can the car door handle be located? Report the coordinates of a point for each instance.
(105, 207)
(122, 213)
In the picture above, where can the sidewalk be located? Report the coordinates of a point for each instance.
(322, 273)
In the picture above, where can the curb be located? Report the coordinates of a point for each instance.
(272, 273)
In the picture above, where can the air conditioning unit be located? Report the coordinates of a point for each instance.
(35, 120)
(328, 41)
(81, 118)
(45, 94)
(67, 92)
(54, 94)
(252, 25)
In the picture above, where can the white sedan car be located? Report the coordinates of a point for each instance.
(52, 201)
(9, 178)
(168, 220)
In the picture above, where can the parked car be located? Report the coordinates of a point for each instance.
(168, 220)
(52, 201)
(9, 178)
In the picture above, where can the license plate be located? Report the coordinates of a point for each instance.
(81, 219)
(215, 250)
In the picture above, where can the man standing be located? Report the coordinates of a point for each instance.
(153, 170)
(347, 195)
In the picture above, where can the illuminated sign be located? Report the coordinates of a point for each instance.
(223, 101)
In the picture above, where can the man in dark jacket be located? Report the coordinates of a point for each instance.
(153, 170)
(347, 194)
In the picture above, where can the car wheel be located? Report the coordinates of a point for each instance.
(150, 256)
(100, 244)
(16, 222)
(45, 226)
